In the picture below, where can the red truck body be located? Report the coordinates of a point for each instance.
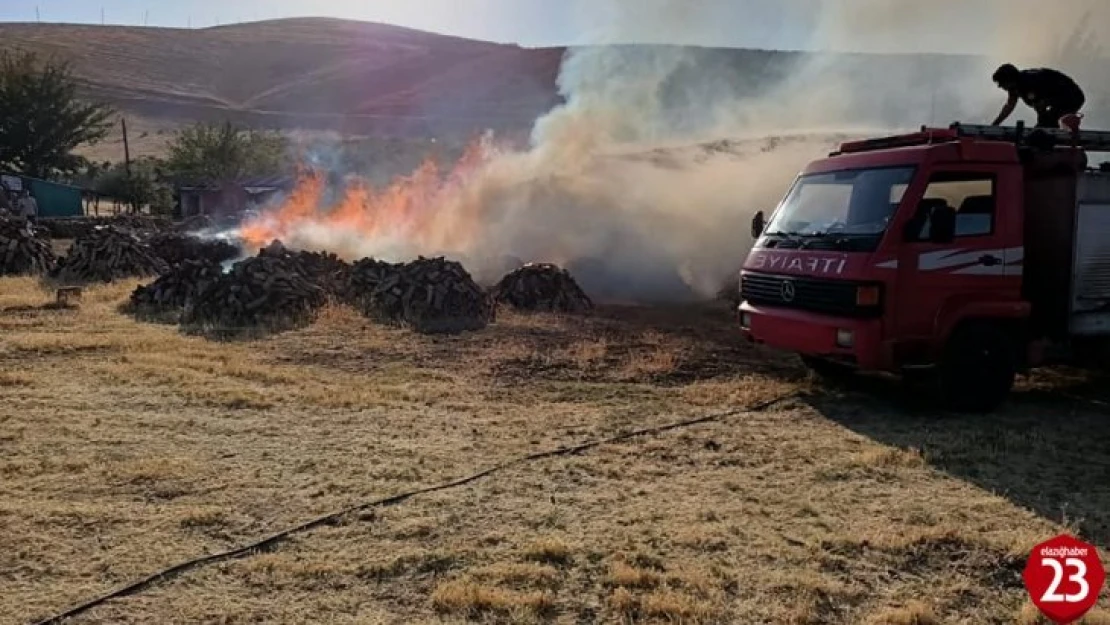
(914, 253)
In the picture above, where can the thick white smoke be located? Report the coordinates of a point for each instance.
(620, 185)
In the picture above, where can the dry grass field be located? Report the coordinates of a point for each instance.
(126, 448)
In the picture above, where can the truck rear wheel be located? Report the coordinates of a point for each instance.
(978, 368)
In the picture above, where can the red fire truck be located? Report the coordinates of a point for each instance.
(961, 256)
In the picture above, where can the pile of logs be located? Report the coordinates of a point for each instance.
(363, 279)
(175, 248)
(428, 295)
(77, 227)
(108, 253)
(167, 297)
(542, 287)
(259, 293)
(22, 251)
(323, 269)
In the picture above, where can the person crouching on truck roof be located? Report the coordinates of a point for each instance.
(1052, 94)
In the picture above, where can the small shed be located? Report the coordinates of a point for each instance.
(231, 198)
(57, 200)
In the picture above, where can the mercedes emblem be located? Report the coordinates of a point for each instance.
(787, 291)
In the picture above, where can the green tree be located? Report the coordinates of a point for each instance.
(145, 186)
(218, 153)
(42, 118)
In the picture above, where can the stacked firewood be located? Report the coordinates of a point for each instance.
(108, 253)
(175, 248)
(542, 287)
(22, 250)
(324, 269)
(167, 297)
(428, 295)
(76, 227)
(261, 292)
(363, 279)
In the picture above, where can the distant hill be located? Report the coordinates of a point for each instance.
(308, 73)
(351, 77)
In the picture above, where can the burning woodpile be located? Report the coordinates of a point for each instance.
(542, 287)
(175, 248)
(22, 250)
(108, 253)
(166, 298)
(428, 295)
(259, 293)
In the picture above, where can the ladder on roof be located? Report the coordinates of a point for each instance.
(1089, 140)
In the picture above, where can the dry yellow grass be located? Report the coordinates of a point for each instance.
(127, 447)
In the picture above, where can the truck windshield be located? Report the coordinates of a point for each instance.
(845, 205)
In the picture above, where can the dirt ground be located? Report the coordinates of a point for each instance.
(126, 448)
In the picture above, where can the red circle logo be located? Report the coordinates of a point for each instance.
(1064, 577)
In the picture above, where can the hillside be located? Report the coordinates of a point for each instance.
(309, 73)
(362, 78)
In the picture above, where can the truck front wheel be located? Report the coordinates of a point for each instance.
(978, 368)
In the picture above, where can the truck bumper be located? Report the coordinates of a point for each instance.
(853, 341)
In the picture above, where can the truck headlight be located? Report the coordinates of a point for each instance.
(746, 320)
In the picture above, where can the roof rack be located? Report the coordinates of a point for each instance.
(1089, 140)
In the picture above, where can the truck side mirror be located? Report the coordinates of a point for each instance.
(942, 225)
(758, 223)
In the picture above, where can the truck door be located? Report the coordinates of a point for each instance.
(982, 261)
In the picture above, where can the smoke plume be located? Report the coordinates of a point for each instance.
(643, 183)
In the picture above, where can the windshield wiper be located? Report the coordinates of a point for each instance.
(796, 235)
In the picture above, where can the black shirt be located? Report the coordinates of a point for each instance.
(1042, 88)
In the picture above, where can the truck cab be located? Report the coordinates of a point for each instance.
(962, 255)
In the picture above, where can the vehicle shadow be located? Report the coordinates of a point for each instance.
(1047, 449)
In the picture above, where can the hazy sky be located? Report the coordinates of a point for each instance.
(754, 23)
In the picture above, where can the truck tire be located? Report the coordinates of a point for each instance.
(978, 368)
(827, 369)
(1091, 353)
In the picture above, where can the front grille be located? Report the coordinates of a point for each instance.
(829, 297)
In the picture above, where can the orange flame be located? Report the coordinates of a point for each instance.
(421, 211)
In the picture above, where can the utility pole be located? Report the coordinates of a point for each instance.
(38, 18)
(127, 161)
(101, 16)
(146, 17)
